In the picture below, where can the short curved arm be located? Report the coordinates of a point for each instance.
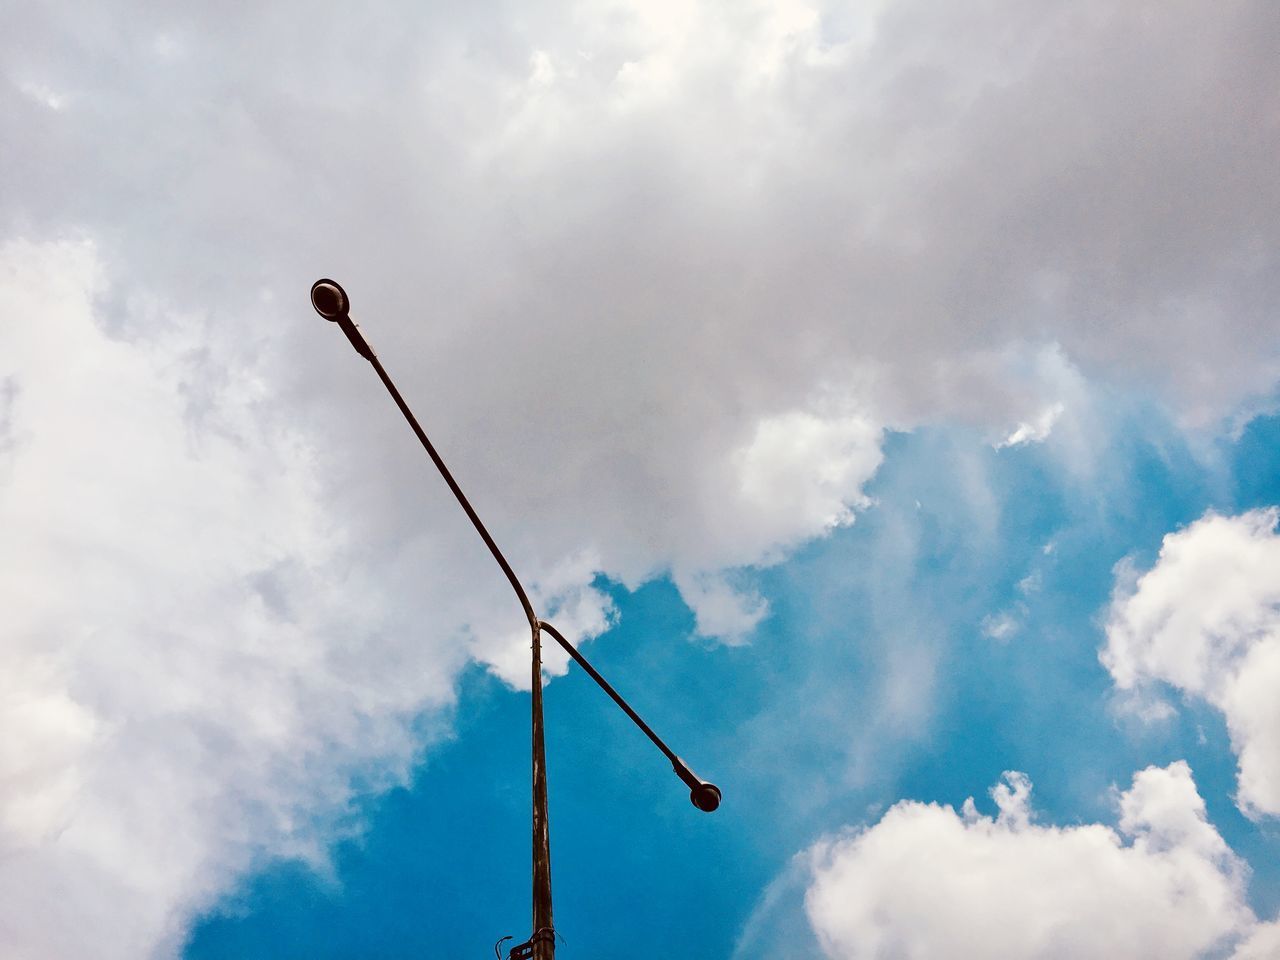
(704, 794)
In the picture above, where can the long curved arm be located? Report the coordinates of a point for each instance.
(704, 794)
(457, 492)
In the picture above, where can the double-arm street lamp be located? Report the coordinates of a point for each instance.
(331, 302)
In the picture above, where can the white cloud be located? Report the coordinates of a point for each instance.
(1036, 431)
(191, 674)
(926, 881)
(1003, 625)
(1262, 944)
(805, 473)
(720, 610)
(1000, 626)
(565, 597)
(43, 95)
(1206, 620)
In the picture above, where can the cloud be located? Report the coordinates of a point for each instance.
(683, 261)
(1206, 620)
(1262, 944)
(1036, 431)
(926, 881)
(1000, 626)
(719, 609)
(565, 596)
(193, 677)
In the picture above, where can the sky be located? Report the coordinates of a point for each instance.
(885, 395)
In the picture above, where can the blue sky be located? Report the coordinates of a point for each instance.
(884, 395)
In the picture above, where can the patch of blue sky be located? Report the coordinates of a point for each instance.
(950, 634)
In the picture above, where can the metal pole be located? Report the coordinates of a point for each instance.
(544, 936)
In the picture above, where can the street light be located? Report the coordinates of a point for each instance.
(332, 303)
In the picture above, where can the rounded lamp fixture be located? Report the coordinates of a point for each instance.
(705, 796)
(329, 299)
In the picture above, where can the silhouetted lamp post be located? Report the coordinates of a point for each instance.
(331, 302)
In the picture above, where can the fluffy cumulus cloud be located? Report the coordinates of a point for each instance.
(194, 672)
(1206, 620)
(928, 881)
(656, 276)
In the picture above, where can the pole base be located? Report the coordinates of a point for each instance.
(529, 949)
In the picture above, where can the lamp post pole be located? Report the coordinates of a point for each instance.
(331, 302)
(543, 940)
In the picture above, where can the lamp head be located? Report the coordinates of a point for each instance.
(330, 300)
(705, 796)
